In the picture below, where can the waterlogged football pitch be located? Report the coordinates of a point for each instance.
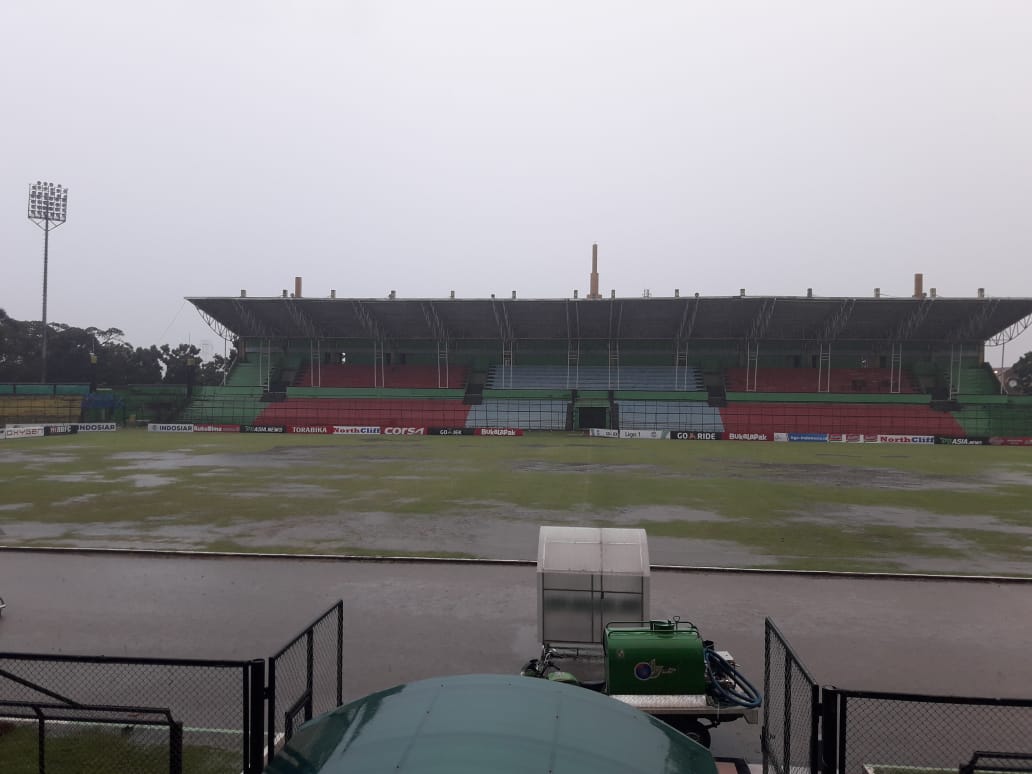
(935, 509)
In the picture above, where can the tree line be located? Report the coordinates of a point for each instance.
(98, 356)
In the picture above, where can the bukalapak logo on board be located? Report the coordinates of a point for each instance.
(507, 431)
(748, 436)
(695, 435)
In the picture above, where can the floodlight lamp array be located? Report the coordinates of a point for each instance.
(48, 201)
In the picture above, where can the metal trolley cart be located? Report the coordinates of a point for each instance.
(593, 618)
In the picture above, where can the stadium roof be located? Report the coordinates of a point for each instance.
(756, 318)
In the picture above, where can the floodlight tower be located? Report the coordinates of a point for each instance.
(48, 207)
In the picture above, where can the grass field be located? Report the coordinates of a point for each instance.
(104, 751)
(802, 506)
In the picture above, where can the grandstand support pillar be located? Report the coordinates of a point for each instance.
(614, 365)
(315, 362)
(379, 379)
(264, 363)
(956, 364)
(752, 360)
(573, 363)
(442, 359)
(681, 366)
(896, 368)
(507, 362)
(824, 367)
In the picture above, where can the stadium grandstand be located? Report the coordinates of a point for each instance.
(738, 367)
(733, 367)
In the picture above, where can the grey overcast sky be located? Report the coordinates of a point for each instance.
(481, 146)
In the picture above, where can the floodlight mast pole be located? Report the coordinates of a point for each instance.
(48, 206)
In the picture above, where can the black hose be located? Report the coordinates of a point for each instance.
(719, 667)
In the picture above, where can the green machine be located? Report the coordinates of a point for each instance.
(654, 658)
(596, 632)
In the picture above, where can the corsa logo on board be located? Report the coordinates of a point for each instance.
(404, 431)
(499, 431)
(748, 436)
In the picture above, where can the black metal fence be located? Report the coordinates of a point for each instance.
(219, 703)
(791, 708)
(829, 730)
(220, 707)
(987, 761)
(306, 676)
(40, 737)
(878, 732)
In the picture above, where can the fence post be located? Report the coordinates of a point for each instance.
(42, 741)
(829, 730)
(256, 716)
(309, 671)
(340, 652)
(272, 710)
(175, 747)
(787, 748)
(815, 728)
(765, 733)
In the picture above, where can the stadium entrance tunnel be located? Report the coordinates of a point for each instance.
(592, 417)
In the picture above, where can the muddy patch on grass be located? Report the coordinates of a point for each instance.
(838, 475)
(584, 467)
(148, 480)
(77, 500)
(910, 519)
(1010, 477)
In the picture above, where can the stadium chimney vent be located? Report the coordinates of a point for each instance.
(981, 292)
(333, 293)
(931, 292)
(593, 293)
(918, 286)
(877, 292)
(297, 287)
(243, 293)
